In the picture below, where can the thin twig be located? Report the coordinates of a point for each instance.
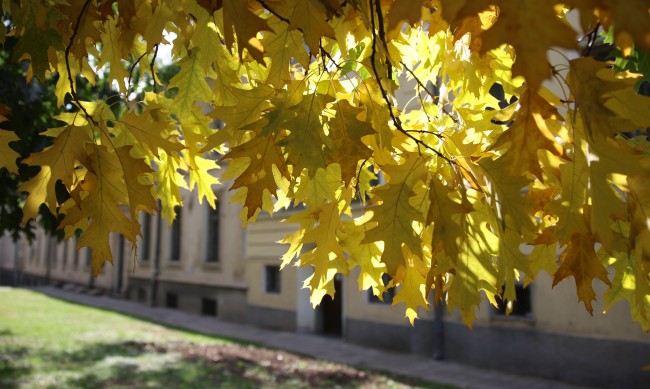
(73, 92)
(382, 37)
(274, 13)
(282, 18)
(434, 97)
(395, 119)
(593, 35)
(325, 53)
(137, 61)
(151, 66)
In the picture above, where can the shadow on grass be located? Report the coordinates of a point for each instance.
(99, 351)
(189, 365)
(12, 365)
(237, 365)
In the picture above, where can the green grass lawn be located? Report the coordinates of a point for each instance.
(49, 343)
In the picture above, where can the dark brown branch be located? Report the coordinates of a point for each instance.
(151, 66)
(382, 37)
(277, 15)
(274, 13)
(395, 119)
(73, 92)
(592, 36)
(137, 61)
(326, 54)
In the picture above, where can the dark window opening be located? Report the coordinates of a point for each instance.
(142, 295)
(272, 279)
(208, 307)
(387, 296)
(331, 311)
(521, 307)
(176, 235)
(171, 300)
(213, 234)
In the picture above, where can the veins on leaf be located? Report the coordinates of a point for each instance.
(282, 18)
(73, 92)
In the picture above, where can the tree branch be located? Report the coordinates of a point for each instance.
(137, 61)
(434, 97)
(395, 119)
(151, 65)
(274, 13)
(73, 93)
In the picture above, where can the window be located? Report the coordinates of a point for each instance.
(208, 307)
(213, 234)
(175, 252)
(146, 237)
(272, 279)
(171, 300)
(521, 307)
(387, 296)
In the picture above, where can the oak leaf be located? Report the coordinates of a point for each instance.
(238, 15)
(608, 101)
(530, 26)
(394, 215)
(7, 155)
(580, 261)
(347, 147)
(57, 162)
(257, 158)
(529, 134)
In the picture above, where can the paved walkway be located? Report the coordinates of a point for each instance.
(333, 350)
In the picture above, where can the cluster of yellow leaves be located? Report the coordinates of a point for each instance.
(378, 117)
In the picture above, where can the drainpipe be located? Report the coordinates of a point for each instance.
(156, 261)
(120, 267)
(48, 260)
(438, 331)
(16, 270)
(89, 260)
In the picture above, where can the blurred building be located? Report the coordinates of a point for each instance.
(205, 263)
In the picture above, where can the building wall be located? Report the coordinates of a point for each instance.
(558, 340)
(48, 261)
(191, 278)
(277, 309)
(599, 361)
